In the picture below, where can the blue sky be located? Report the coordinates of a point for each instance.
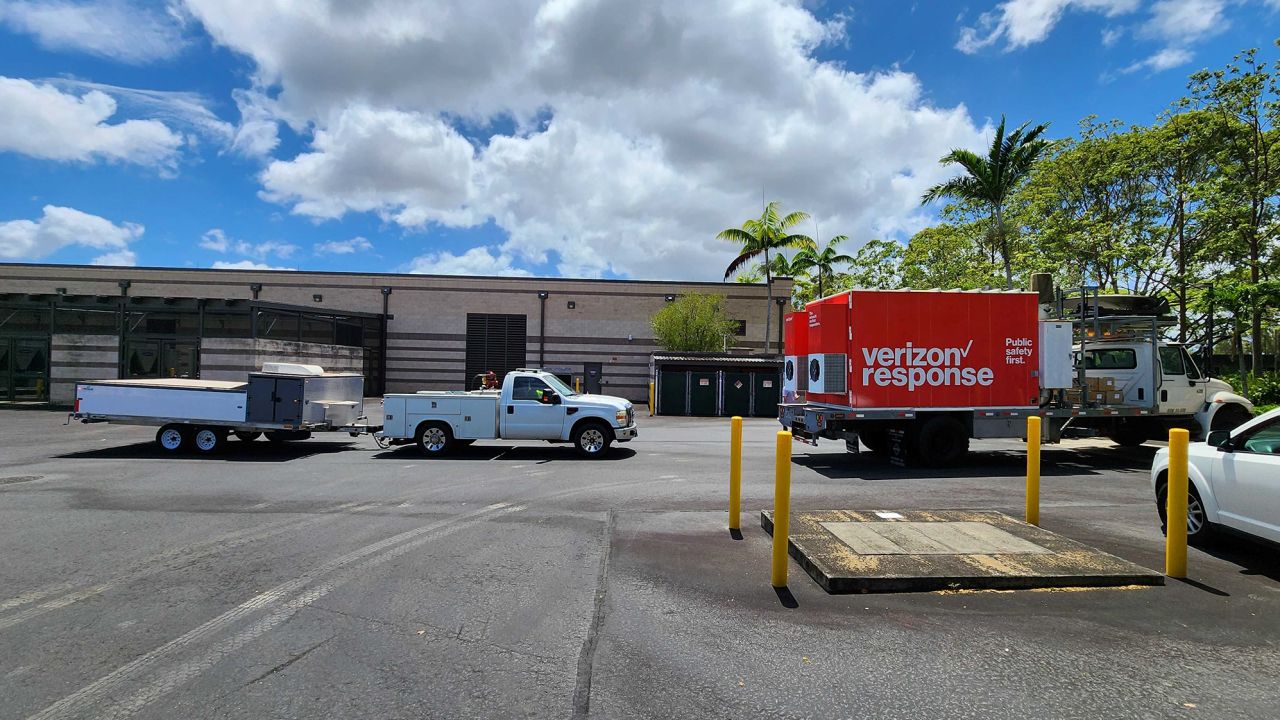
(592, 138)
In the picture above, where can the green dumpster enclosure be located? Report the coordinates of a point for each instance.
(716, 384)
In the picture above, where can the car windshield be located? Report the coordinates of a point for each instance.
(557, 385)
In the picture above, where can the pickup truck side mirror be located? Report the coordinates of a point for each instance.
(1220, 439)
(549, 397)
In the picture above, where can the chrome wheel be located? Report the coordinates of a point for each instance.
(1195, 514)
(206, 440)
(592, 441)
(170, 438)
(434, 440)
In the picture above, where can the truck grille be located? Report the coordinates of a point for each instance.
(631, 416)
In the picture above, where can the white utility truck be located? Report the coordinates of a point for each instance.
(286, 401)
(532, 405)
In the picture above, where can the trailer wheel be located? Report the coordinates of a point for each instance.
(433, 439)
(172, 438)
(876, 441)
(942, 441)
(1128, 435)
(591, 439)
(206, 440)
(247, 436)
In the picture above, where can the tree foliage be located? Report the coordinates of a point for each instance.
(694, 322)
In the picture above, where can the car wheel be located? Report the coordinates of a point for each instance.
(942, 441)
(172, 438)
(1128, 436)
(207, 440)
(1230, 417)
(434, 439)
(247, 436)
(591, 440)
(1199, 529)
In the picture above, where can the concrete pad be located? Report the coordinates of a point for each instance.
(848, 551)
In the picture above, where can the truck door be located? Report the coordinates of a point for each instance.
(1179, 391)
(525, 417)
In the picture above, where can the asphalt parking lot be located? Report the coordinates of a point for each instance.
(331, 578)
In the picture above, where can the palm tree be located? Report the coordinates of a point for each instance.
(822, 262)
(758, 237)
(991, 179)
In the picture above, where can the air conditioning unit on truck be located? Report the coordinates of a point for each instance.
(923, 372)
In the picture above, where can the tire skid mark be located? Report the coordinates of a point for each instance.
(85, 699)
(166, 561)
(88, 701)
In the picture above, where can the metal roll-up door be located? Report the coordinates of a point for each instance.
(496, 342)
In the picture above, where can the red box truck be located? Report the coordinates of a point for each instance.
(923, 372)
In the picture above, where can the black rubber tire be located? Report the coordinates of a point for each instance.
(181, 433)
(247, 435)
(1128, 436)
(942, 441)
(1199, 537)
(1229, 417)
(433, 439)
(592, 439)
(876, 441)
(208, 440)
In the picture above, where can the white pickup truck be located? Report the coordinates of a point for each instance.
(532, 405)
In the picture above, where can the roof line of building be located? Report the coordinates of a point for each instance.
(346, 273)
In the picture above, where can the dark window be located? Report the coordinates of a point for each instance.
(740, 327)
(317, 330)
(1264, 439)
(222, 325)
(528, 388)
(13, 320)
(1111, 359)
(1171, 361)
(86, 321)
(274, 325)
(494, 342)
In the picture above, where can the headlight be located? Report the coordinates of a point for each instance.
(621, 417)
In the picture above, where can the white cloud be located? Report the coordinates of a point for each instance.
(1161, 60)
(216, 240)
(344, 247)
(112, 29)
(1111, 36)
(258, 133)
(476, 261)
(42, 121)
(641, 129)
(245, 265)
(1026, 22)
(188, 111)
(60, 227)
(407, 167)
(1182, 21)
(126, 258)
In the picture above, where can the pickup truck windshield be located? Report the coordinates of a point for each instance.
(558, 386)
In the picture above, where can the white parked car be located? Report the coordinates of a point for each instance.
(1233, 481)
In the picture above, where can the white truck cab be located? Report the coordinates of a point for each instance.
(531, 405)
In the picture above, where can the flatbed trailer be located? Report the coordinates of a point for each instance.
(284, 402)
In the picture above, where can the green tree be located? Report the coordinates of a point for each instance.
(948, 256)
(694, 322)
(822, 262)
(760, 236)
(878, 264)
(750, 275)
(1245, 98)
(990, 180)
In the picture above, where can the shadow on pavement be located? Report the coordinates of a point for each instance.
(1254, 557)
(1054, 462)
(235, 451)
(508, 453)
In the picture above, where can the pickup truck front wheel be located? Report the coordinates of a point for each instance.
(433, 439)
(591, 440)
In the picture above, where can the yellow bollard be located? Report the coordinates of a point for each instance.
(1175, 544)
(577, 384)
(1033, 470)
(781, 509)
(651, 399)
(735, 472)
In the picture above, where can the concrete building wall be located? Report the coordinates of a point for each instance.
(80, 357)
(233, 358)
(609, 323)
